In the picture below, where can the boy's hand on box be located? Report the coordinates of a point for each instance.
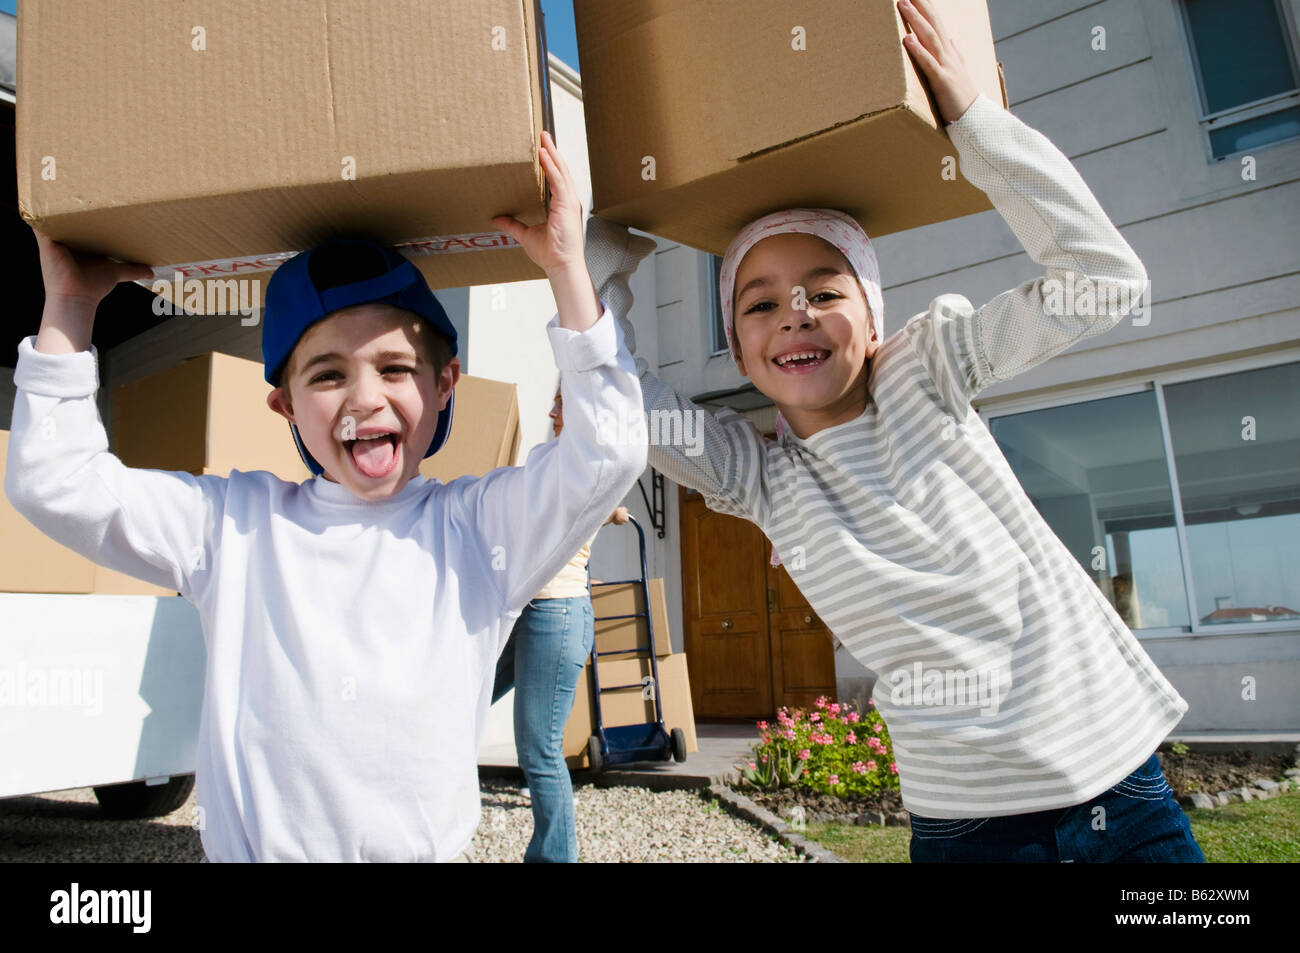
(71, 276)
(556, 244)
(74, 286)
(936, 54)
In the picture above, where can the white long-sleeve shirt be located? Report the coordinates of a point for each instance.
(351, 645)
(1008, 682)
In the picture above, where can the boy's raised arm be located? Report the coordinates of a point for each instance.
(531, 520)
(59, 474)
(721, 456)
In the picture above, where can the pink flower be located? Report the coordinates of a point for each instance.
(875, 745)
(852, 718)
(762, 726)
(764, 759)
(879, 727)
(788, 734)
(851, 738)
(821, 701)
(859, 767)
(833, 780)
(871, 703)
(893, 768)
(805, 754)
(752, 765)
(834, 709)
(766, 738)
(870, 766)
(814, 717)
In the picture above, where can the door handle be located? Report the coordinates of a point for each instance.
(726, 623)
(808, 620)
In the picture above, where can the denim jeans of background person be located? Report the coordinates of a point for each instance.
(1098, 831)
(543, 660)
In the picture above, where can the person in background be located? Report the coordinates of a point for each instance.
(543, 660)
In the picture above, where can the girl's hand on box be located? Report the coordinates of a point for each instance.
(556, 244)
(82, 279)
(937, 56)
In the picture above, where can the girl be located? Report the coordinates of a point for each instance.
(1024, 713)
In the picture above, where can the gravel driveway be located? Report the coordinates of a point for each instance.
(614, 824)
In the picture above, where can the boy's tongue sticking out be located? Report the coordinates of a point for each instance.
(374, 456)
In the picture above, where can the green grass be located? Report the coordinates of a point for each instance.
(868, 845)
(1255, 832)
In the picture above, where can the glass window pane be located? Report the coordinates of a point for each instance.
(1237, 449)
(1241, 50)
(1255, 133)
(719, 333)
(1096, 471)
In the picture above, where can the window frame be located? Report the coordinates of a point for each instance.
(1156, 382)
(1224, 118)
(712, 281)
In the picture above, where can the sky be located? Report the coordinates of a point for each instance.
(561, 39)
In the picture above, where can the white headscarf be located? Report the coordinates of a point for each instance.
(841, 231)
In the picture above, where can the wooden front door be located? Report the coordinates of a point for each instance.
(752, 642)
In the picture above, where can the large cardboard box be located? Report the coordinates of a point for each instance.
(628, 707)
(217, 137)
(484, 431)
(206, 414)
(629, 634)
(703, 115)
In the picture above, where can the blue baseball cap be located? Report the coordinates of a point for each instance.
(306, 289)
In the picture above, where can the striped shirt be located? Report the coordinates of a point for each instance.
(1008, 682)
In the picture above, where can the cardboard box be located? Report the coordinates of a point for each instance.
(484, 431)
(217, 137)
(207, 414)
(629, 635)
(628, 707)
(703, 115)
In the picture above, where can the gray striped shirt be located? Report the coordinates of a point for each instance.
(1008, 682)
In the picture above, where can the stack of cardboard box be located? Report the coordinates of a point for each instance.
(624, 637)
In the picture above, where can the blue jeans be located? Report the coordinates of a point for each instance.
(542, 662)
(1136, 821)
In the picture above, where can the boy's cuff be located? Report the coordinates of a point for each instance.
(56, 375)
(585, 350)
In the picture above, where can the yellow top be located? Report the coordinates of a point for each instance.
(572, 579)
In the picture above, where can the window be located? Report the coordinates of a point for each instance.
(1182, 501)
(1236, 443)
(1243, 56)
(1096, 473)
(718, 333)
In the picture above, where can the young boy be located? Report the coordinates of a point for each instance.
(352, 622)
(902, 523)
